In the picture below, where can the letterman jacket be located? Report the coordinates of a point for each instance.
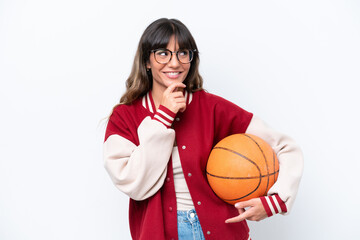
(137, 153)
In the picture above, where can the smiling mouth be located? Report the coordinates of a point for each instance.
(172, 74)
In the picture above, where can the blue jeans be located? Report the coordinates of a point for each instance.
(189, 226)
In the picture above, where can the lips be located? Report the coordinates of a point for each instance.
(172, 75)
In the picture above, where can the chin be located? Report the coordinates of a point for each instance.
(170, 81)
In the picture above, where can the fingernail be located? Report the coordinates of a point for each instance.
(236, 204)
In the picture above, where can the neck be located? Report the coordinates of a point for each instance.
(157, 94)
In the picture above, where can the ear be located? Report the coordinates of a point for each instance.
(148, 65)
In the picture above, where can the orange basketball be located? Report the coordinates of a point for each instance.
(241, 167)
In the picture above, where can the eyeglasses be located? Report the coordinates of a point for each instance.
(164, 56)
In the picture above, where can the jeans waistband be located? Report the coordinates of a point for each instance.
(189, 215)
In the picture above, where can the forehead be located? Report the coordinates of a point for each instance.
(172, 44)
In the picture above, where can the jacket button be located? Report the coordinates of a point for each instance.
(170, 209)
(177, 119)
(168, 179)
(199, 203)
(189, 174)
(183, 147)
(208, 232)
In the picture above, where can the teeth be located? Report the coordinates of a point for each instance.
(173, 73)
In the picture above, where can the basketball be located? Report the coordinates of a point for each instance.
(241, 167)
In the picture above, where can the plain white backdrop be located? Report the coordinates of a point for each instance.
(63, 65)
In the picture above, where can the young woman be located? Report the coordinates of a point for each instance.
(159, 137)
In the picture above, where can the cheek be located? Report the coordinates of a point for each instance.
(155, 66)
(156, 71)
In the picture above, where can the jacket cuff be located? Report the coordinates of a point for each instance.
(273, 204)
(165, 116)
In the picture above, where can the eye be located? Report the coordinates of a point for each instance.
(183, 53)
(162, 53)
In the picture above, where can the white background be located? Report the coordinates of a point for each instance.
(63, 65)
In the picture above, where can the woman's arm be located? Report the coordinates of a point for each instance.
(290, 161)
(282, 194)
(139, 171)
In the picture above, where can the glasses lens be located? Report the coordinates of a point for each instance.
(162, 56)
(185, 56)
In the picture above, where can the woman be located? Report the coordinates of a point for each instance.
(159, 137)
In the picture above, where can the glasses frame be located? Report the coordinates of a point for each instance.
(171, 54)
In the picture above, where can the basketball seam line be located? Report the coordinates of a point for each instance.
(268, 175)
(267, 165)
(260, 177)
(226, 149)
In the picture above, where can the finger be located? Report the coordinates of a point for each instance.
(180, 89)
(181, 103)
(183, 108)
(239, 218)
(241, 210)
(243, 204)
(177, 95)
(174, 86)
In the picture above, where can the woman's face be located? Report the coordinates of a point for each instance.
(173, 71)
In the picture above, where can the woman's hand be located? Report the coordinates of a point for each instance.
(255, 211)
(173, 98)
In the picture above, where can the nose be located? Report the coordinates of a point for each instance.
(174, 62)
